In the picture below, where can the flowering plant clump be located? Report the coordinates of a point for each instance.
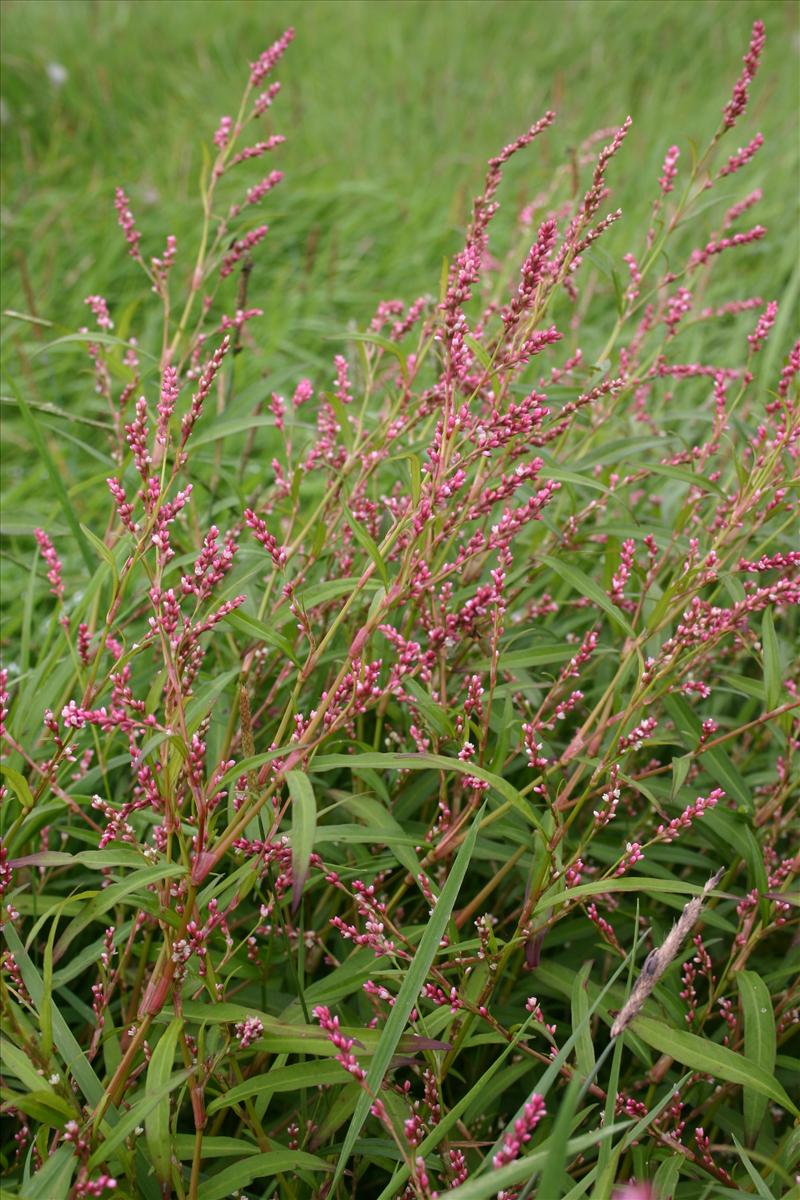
(469, 684)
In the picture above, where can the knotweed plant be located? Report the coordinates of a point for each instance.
(402, 795)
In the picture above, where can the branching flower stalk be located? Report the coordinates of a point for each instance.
(495, 564)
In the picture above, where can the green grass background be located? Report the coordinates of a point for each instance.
(390, 109)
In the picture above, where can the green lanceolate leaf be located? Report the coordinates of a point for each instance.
(366, 542)
(256, 1166)
(580, 582)
(424, 762)
(54, 1178)
(281, 1079)
(304, 825)
(773, 683)
(707, 1057)
(18, 784)
(410, 989)
(759, 1044)
(157, 1122)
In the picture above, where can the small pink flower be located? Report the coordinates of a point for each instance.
(249, 1030)
(669, 170)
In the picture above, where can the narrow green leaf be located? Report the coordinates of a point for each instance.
(666, 1177)
(383, 828)
(53, 1180)
(157, 1124)
(551, 1182)
(222, 429)
(537, 656)
(638, 884)
(42, 1105)
(331, 589)
(102, 549)
(759, 1184)
(759, 1044)
(18, 784)
(710, 1059)
(366, 543)
(383, 343)
(773, 684)
(103, 339)
(54, 1177)
(244, 623)
(410, 989)
(304, 825)
(256, 1166)
(481, 1187)
(580, 582)
(137, 881)
(584, 1046)
(686, 476)
(608, 1157)
(680, 769)
(56, 480)
(281, 1079)
(213, 1147)
(17, 1063)
(553, 471)
(424, 762)
(136, 1116)
(75, 1061)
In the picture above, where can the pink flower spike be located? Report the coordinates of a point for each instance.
(669, 170)
(124, 508)
(222, 136)
(343, 390)
(203, 389)
(161, 266)
(266, 539)
(522, 1131)
(303, 392)
(240, 248)
(343, 1044)
(791, 369)
(264, 101)
(166, 405)
(270, 57)
(136, 437)
(125, 216)
(100, 309)
(260, 190)
(249, 1030)
(742, 156)
(738, 101)
(699, 257)
(53, 563)
(765, 323)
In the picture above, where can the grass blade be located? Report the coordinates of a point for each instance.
(304, 827)
(274, 1162)
(408, 995)
(156, 1124)
(759, 1044)
(56, 480)
(54, 1179)
(703, 1055)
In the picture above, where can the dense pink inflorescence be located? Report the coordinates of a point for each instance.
(525, 602)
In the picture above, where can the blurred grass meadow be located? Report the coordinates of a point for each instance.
(390, 112)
